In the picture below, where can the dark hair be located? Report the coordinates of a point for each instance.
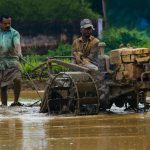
(4, 16)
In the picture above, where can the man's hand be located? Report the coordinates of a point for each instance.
(18, 51)
(78, 57)
(20, 56)
(85, 61)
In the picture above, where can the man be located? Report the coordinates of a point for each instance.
(10, 52)
(84, 49)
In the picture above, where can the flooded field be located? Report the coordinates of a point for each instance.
(24, 128)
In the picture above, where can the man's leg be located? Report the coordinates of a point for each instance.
(91, 66)
(4, 95)
(17, 89)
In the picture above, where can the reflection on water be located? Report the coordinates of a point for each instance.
(104, 132)
(28, 94)
(23, 128)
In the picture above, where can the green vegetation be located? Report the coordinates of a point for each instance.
(128, 13)
(114, 37)
(62, 50)
(120, 13)
(52, 10)
(34, 60)
(31, 61)
(128, 20)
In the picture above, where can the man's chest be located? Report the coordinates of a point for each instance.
(5, 41)
(84, 47)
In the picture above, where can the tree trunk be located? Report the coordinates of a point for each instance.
(104, 13)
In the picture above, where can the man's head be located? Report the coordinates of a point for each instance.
(86, 27)
(86, 23)
(5, 22)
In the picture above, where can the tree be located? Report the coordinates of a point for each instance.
(104, 13)
(128, 13)
(61, 10)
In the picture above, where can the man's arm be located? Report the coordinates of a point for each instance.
(18, 50)
(76, 54)
(17, 45)
(94, 53)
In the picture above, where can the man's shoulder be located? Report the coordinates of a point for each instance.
(93, 38)
(77, 40)
(13, 31)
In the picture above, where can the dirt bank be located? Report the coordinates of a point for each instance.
(31, 85)
(38, 84)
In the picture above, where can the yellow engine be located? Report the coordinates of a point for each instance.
(130, 63)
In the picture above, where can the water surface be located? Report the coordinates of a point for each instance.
(24, 128)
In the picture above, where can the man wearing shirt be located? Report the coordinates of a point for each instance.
(84, 48)
(10, 52)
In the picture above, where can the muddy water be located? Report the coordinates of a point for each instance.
(23, 128)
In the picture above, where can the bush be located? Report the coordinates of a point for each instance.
(34, 60)
(58, 68)
(31, 61)
(114, 37)
(62, 50)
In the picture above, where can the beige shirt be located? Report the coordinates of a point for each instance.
(82, 51)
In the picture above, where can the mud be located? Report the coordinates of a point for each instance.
(24, 128)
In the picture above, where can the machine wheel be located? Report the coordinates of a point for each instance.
(104, 96)
(132, 101)
(54, 104)
(72, 105)
(119, 102)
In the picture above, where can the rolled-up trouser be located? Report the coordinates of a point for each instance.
(91, 66)
(8, 75)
